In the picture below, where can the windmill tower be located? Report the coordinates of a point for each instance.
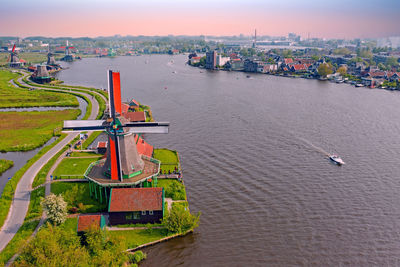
(41, 75)
(124, 166)
(50, 58)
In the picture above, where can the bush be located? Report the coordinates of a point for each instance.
(179, 219)
(137, 257)
(55, 208)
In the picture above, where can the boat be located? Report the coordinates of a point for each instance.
(360, 85)
(336, 159)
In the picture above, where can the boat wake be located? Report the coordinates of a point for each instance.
(316, 148)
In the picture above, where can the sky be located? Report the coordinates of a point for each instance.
(315, 18)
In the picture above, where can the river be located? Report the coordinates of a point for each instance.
(254, 154)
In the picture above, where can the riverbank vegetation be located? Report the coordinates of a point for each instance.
(5, 164)
(11, 96)
(173, 188)
(22, 131)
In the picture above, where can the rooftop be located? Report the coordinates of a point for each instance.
(136, 199)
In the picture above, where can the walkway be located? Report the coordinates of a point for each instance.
(20, 203)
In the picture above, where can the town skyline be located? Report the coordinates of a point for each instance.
(330, 19)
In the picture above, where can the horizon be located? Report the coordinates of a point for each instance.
(330, 20)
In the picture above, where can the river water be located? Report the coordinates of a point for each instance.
(254, 154)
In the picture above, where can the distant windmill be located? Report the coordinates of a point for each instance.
(13, 59)
(50, 58)
(123, 164)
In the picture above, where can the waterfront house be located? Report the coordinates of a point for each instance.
(133, 104)
(137, 116)
(143, 148)
(136, 205)
(194, 60)
(85, 222)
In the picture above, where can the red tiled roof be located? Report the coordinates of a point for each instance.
(101, 144)
(135, 116)
(135, 199)
(288, 60)
(196, 57)
(86, 221)
(143, 147)
(124, 108)
(299, 67)
(133, 101)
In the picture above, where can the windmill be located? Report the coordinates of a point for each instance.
(13, 59)
(123, 163)
(50, 58)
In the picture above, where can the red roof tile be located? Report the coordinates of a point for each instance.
(143, 147)
(86, 221)
(135, 116)
(135, 199)
(124, 108)
(101, 144)
(134, 102)
(288, 60)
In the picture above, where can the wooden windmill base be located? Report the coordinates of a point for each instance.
(151, 169)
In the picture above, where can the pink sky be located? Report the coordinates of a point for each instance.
(102, 18)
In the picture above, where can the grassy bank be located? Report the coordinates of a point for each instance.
(135, 238)
(11, 96)
(5, 164)
(169, 159)
(22, 131)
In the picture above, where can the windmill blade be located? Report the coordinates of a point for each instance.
(13, 48)
(147, 127)
(115, 160)
(114, 93)
(87, 125)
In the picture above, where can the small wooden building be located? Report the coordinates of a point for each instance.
(87, 221)
(136, 205)
(101, 147)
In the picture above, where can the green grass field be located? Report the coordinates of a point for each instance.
(84, 154)
(73, 166)
(169, 159)
(136, 238)
(5, 164)
(82, 195)
(21, 131)
(173, 188)
(11, 96)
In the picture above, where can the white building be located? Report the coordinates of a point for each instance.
(221, 61)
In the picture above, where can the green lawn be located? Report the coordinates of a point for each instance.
(5, 164)
(11, 96)
(21, 131)
(79, 195)
(70, 224)
(136, 238)
(84, 154)
(169, 159)
(173, 188)
(73, 166)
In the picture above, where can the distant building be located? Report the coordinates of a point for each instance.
(194, 60)
(221, 61)
(211, 60)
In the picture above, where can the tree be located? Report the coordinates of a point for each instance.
(392, 62)
(342, 70)
(203, 61)
(179, 219)
(381, 66)
(324, 69)
(55, 208)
